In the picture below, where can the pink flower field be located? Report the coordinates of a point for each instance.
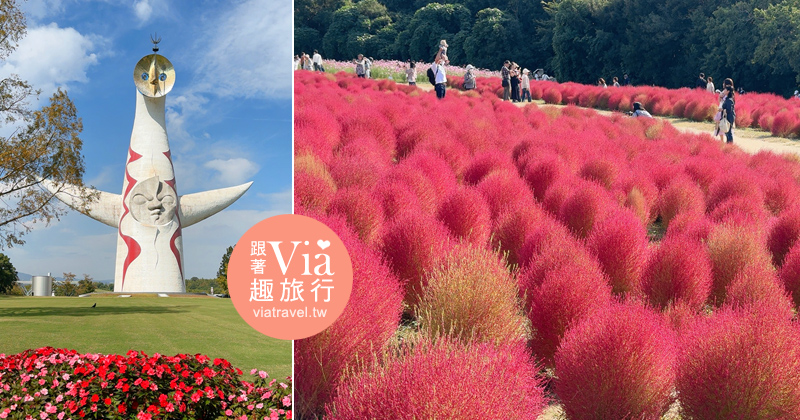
(506, 259)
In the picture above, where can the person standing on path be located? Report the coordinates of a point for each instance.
(514, 82)
(469, 78)
(710, 84)
(361, 70)
(526, 85)
(317, 60)
(701, 81)
(505, 73)
(729, 112)
(440, 75)
(411, 74)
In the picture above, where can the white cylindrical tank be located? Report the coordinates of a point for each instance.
(42, 285)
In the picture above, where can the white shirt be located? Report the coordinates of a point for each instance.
(441, 74)
(317, 59)
(526, 82)
(710, 87)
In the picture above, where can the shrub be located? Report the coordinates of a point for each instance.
(740, 365)
(620, 244)
(470, 295)
(511, 229)
(542, 172)
(617, 365)
(355, 171)
(438, 380)
(47, 381)
(790, 273)
(734, 185)
(601, 171)
(411, 243)
(367, 323)
(484, 164)
(731, 249)
(583, 208)
(467, 215)
(566, 294)
(783, 235)
(313, 192)
(681, 196)
(504, 191)
(362, 211)
(678, 272)
(757, 285)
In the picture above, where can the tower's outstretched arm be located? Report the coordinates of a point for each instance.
(198, 206)
(99, 205)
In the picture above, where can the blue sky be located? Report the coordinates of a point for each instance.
(229, 116)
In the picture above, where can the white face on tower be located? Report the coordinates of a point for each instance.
(153, 202)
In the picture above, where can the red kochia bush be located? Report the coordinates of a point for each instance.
(566, 295)
(467, 215)
(620, 243)
(504, 191)
(682, 196)
(363, 212)
(512, 227)
(757, 285)
(411, 243)
(740, 365)
(440, 380)
(679, 271)
(584, 207)
(731, 249)
(619, 364)
(366, 325)
(783, 235)
(790, 273)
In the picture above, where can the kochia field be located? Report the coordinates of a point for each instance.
(508, 258)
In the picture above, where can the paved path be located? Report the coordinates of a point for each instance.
(748, 139)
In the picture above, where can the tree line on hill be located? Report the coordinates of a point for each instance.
(665, 43)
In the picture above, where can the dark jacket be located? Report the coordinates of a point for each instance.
(728, 106)
(700, 83)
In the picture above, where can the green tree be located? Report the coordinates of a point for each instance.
(495, 37)
(420, 39)
(222, 273)
(8, 274)
(86, 285)
(355, 29)
(44, 144)
(778, 47)
(67, 287)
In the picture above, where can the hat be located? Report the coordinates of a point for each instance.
(526, 71)
(470, 67)
(443, 43)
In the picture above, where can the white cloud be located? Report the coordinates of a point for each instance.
(233, 171)
(50, 57)
(244, 52)
(143, 10)
(39, 9)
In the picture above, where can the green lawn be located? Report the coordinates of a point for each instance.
(151, 324)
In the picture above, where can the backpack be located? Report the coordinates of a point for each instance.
(431, 75)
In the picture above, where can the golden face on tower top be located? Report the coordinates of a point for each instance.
(154, 75)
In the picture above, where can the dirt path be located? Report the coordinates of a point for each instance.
(748, 139)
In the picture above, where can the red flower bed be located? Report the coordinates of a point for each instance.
(50, 383)
(571, 210)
